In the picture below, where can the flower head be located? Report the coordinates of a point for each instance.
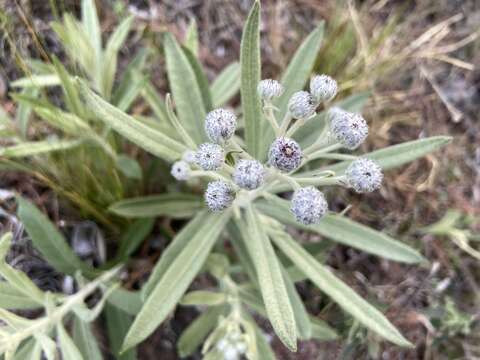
(347, 128)
(323, 88)
(180, 170)
(219, 195)
(308, 205)
(285, 154)
(249, 174)
(364, 175)
(220, 125)
(210, 156)
(268, 89)
(189, 156)
(302, 105)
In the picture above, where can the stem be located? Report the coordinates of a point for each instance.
(333, 156)
(297, 125)
(322, 181)
(321, 149)
(290, 180)
(285, 122)
(236, 147)
(270, 116)
(209, 174)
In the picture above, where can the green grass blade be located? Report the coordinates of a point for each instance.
(250, 64)
(85, 340)
(24, 111)
(176, 205)
(155, 102)
(271, 281)
(347, 232)
(226, 85)
(185, 89)
(176, 279)
(91, 25)
(343, 295)
(72, 98)
(37, 148)
(144, 136)
(36, 81)
(48, 240)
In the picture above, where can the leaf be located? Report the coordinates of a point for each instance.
(185, 89)
(72, 98)
(202, 297)
(18, 281)
(176, 205)
(30, 350)
(129, 167)
(48, 240)
(191, 38)
(397, 155)
(226, 85)
(36, 81)
(134, 235)
(198, 330)
(31, 148)
(347, 232)
(92, 25)
(176, 279)
(12, 298)
(24, 111)
(343, 295)
(155, 102)
(300, 68)
(144, 136)
(202, 79)
(129, 302)
(109, 61)
(85, 340)
(118, 323)
(271, 282)
(264, 349)
(67, 122)
(249, 79)
(67, 346)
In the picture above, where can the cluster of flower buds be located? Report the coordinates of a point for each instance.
(285, 155)
(232, 346)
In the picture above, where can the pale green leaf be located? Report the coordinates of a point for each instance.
(36, 81)
(129, 167)
(32, 148)
(29, 350)
(133, 236)
(191, 38)
(24, 111)
(202, 79)
(12, 298)
(85, 340)
(226, 85)
(347, 232)
(271, 281)
(72, 98)
(118, 323)
(67, 346)
(185, 89)
(203, 297)
(264, 349)
(343, 295)
(128, 301)
(48, 240)
(144, 136)
(250, 77)
(176, 205)
(155, 102)
(176, 279)
(91, 25)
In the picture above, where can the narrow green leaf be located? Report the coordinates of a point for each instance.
(321, 331)
(347, 232)
(36, 81)
(202, 297)
(30, 350)
(198, 330)
(185, 89)
(175, 281)
(37, 148)
(155, 102)
(12, 298)
(271, 281)
(48, 240)
(85, 340)
(67, 122)
(67, 346)
(397, 155)
(202, 79)
(128, 301)
(250, 77)
(118, 323)
(92, 25)
(264, 349)
(176, 205)
(343, 295)
(72, 98)
(226, 85)
(144, 136)
(134, 235)
(129, 167)
(191, 38)
(24, 111)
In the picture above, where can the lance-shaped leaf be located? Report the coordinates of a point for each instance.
(185, 89)
(118, 323)
(67, 346)
(144, 136)
(48, 240)
(31, 148)
(345, 231)
(12, 298)
(176, 205)
(85, 340)
(343, 295)
(226, 85)
(179, 273)
(201, 77)
(249, 78)
(37, 81)
(92, 25)
(271, 281)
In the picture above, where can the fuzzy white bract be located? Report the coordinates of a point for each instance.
(220, 125)
(364, 175)
(308, 205)
(349, 129)
(219, 195)
(302, 105)
(268, 89)
(323, 88)
(180, 170)
(285, 154)
(249, 174)
(210, 156)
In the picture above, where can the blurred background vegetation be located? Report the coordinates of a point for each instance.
(419, 60)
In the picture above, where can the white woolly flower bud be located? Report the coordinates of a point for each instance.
(210, 156)
(349, 129)
(219, 195)
(308, 205)
(220, 125)
(364, 175)
(323, 88)
(180, 170)
(285, 154)
(189, 156)
(302, 105)
(268, 89)
(249, 174)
